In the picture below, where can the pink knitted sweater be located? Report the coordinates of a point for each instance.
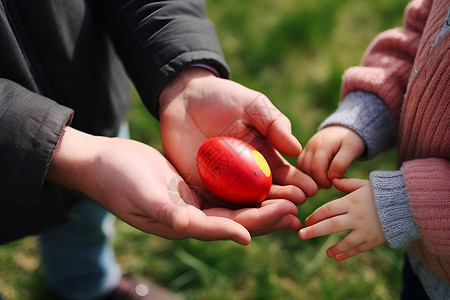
(411, 73)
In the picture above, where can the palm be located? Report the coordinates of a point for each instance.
(185, 126)
(221, 107)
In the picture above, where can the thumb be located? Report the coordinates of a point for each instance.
(341, 161)
(280, 136)
(272, 124)
(348, 185)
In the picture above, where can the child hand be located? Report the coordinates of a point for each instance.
(355, 212)
(335, 147)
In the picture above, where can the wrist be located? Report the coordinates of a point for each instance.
(71, 161)
(180, 84)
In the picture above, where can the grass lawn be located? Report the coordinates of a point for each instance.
(295, 52)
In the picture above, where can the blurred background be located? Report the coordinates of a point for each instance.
(295, 52)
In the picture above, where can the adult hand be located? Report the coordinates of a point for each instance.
(329, 153)
(137, 184)
(197, 106)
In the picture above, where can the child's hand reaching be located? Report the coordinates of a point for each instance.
(355, 212)
(329, 153)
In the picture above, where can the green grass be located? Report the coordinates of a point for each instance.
(295, 52)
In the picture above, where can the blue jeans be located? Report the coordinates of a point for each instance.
(78, 256)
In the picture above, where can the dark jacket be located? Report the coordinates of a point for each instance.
(61, 62)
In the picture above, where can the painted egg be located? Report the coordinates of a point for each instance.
(234, 171)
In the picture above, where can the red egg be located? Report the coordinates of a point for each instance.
(234, 171)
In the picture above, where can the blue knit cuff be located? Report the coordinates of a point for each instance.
(394, 211)
(369, 117)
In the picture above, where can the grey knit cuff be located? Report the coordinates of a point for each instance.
(369, 117)
(394, 211)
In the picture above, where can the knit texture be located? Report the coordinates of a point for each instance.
(428, 185)
(409, 69)
(393, 208)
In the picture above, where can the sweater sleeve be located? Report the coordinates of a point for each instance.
(428, 187)
(393, 208)
(369, 117)
(388, 62)
(30, 128)
(157, 39)
(414, 202)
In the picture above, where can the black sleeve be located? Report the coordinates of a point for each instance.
(30, 128)
(157, 39)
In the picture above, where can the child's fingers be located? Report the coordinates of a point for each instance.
(326, 227)
(341, 254)
(348, 185)
(352, 146)
(350, 241)
(328, 210)
(319, 168)
(348, 254)
(341, 161)
(304, 161)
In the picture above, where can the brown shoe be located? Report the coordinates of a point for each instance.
(130, 288)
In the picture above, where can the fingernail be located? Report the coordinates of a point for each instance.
(333, 175)
(302, 234)
(329, 253)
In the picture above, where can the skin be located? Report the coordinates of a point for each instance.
(140, 186)
(325, 158)
(198, 106)
(355, 212)
(329, 153)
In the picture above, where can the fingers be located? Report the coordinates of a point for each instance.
(288, 192)
(342, 160)
(288, 223)
(285, 174)
(314, 161)
(209, 228)
(329, 226)
(329, 153)
(348, 185)
(280, 136)
(344, 255)
(326, 211)
(196, 224)
(349, 246)
(190, 222)
(271, 215)
(348, 254)
(319, 167)
(273, 125)
(304, 161)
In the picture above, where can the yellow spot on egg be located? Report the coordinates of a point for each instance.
(262, 163)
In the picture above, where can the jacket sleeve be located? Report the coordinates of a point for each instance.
(30, 128)
(157, 39)
(387, 64)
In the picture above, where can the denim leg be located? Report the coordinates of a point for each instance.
(78, 256)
